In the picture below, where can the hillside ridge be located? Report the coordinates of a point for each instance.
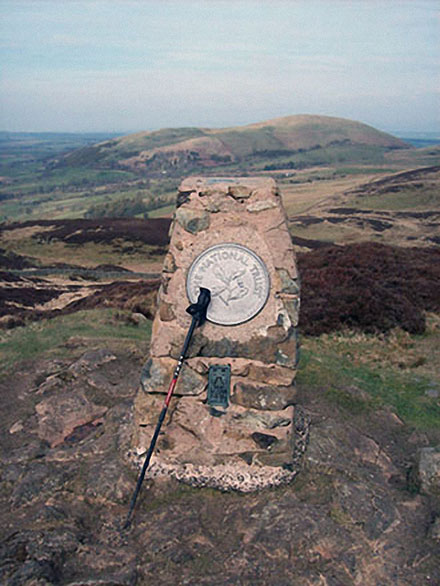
(182, 149)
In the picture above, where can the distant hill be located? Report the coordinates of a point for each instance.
(292, 142)
(41, 145)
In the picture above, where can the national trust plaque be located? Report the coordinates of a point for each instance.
(237, 278)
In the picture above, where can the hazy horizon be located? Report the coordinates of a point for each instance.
(399, 133)
(127, 66)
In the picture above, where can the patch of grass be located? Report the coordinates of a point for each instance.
(303, 191)
(313, 487)
(422, 157)
(348, 400)
(407, 199)
(340, 517)
(70, 201)
(358, 372)
(163, 212)
(48, 337)
(326, 232)
(70, 177)
(88, 254)
(363, 170)
(169, 496)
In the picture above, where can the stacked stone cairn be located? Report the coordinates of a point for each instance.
(250, 444)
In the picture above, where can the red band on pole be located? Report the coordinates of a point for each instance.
(170, 391)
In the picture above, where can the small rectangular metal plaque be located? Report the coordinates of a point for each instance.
(219, 382)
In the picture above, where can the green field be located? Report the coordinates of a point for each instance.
(360, 373)
(35, 185)
(408, 199)
(63, 176)
(56, 337)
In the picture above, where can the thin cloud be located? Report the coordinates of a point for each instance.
(122, 64)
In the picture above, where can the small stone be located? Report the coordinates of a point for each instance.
(190, 383)
(261, 205)
(183, 197)
(239, 366)
(239, 191)
(153, 375)
(138, 318)
(164, 282)
(220, 202)
(282, 359)
(147, 407)
(169, 264)
(429, 470)
(158, 372)
(166, 312)
(271, 374)
(18, 426)
(91, 360)
(273, 346)
(192, 221)
(288, 285)
(292, 305)
(267, 419)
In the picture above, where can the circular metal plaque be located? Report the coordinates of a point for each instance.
(238, 281)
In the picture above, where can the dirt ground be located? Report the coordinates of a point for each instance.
(354, 515)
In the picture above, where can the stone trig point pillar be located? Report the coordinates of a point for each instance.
(231, 421)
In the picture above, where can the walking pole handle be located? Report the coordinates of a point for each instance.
(200, 308)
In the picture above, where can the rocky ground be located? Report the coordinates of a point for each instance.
(364, 510)
(359, 513)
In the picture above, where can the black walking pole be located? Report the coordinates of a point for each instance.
(198, 311)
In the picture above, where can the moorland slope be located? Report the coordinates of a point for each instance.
(305, 138)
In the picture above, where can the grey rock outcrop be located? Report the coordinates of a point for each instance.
(429, 470)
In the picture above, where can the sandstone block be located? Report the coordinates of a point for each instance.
(59, 416)
(239, 366)
(270, 374)
(260, 206)
(240, 191)
(264, 397)
(166, 312)
(192, 221)
(158, 372)
(288, 285)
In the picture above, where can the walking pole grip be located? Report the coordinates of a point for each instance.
(198, 310)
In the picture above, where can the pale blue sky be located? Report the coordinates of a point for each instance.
(125, 65)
